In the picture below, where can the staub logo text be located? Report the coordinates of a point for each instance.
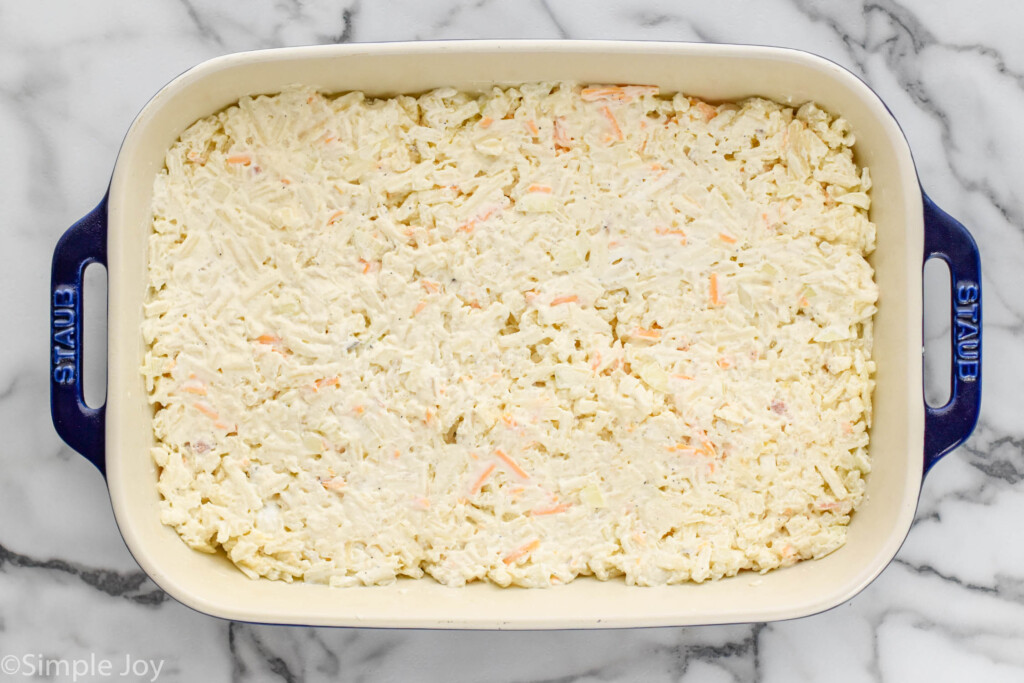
(968, 342)
(63, 323)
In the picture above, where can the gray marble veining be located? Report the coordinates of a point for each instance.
(951, 606)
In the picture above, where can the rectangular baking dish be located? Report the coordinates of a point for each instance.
(906, 439)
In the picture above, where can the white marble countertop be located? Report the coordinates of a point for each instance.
(950, 607)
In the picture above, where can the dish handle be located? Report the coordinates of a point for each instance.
(80, 426)
(948, 426)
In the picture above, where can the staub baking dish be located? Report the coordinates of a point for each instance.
(907, 438)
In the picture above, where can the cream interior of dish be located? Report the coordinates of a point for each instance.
(523, 336)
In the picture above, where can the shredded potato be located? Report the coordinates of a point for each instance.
(520, 336)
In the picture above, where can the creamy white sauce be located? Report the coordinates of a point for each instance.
(522, 336)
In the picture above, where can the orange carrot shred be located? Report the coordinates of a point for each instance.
(327, 382)
(727, 238)
(559, 135)
(571, 299)
(269, 339)
(511, 463)
(612, 121)
(646, 334)
(419, 308)
(539, 188)
(431, 287)
(482, 479)
(335, 216)
(553, 510)
(532, 126)
(206, 410)
(713, 290)
(199, 390)
(486, 122)
(243, 159)
(521, 551)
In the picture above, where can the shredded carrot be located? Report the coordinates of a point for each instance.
(553, 510)
(559, 136)
(571, 299)
(609, 93)
(333, 484)
(269, 339)
(367, 265)
(846, 427)
(539, 188)
(804, 302)
(531, 294)
(713, 290)
(617, 93)
(199, 390)
(643, 146)
(511, 463)
(419, 308)
(428, 416)
(645, 334)
(466, 227)
(706, 111)
(309, 100)
(531, 125)
(421, 502)
(430, 286)
(596, 363)
(509, 420)
(657, 167)
(709, 447)
(359, 410)
(475, 304)
(682, 377)
(243, 159)
(486, 122)
(724, 363)
(521, 551)
(479, 483)
(474, 455)
(328, 139)
(327, 382)
(672, 231)
(335, 216)
(285, 181)
(206, 410)
(727, 238)
(612, 121)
